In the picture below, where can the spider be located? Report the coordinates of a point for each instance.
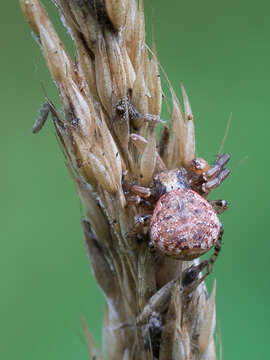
(183, 224)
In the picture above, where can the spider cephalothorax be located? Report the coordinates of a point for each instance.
(184, 224)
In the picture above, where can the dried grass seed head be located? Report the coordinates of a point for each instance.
(103, 146)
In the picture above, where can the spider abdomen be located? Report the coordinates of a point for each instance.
(184, 225)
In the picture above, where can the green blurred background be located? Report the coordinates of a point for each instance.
(220, 50)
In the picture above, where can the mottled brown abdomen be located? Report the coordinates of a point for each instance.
(184, 225)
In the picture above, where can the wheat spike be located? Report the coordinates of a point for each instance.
(157, 307)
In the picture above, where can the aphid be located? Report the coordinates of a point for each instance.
(184, 224)
(41, 119)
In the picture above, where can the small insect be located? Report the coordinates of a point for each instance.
(41, 119)
(184, 224)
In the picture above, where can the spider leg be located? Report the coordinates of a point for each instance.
(216, 252)
(216, 174)
(140, 222)
(216, 181)
(137, 201)
(217, 167)
(141, 191)
(138, 195)
(219, 205)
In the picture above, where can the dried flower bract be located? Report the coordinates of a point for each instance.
(157, 306)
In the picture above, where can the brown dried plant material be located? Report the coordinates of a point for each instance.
(148, 160)
(157, 307)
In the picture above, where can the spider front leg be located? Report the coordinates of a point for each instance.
(204, 178)
(216, 174)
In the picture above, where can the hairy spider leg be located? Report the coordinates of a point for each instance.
(222, 160)
(216, 252)
(216, 181)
